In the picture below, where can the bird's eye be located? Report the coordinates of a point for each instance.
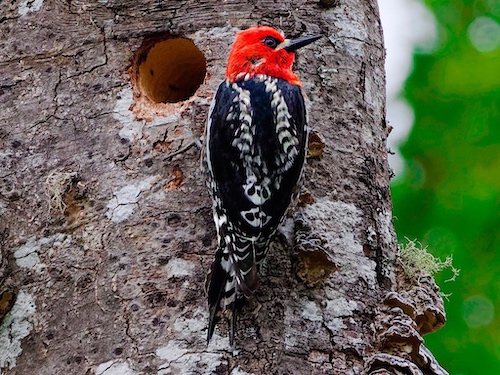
(271, 42)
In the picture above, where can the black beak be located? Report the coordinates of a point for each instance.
(295, 44)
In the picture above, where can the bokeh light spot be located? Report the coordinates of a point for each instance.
(416, 174)
(478, 311)
(484, 33)
(441, 240)
(494, 7)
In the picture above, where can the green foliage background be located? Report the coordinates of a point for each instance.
(448, 196)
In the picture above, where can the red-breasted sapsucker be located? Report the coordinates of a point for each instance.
(255, 148)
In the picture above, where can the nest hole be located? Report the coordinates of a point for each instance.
(169, 69)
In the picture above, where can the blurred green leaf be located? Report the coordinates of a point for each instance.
(448, 196)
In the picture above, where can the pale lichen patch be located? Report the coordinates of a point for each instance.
(311, 311)
(337, 309)
(330, 227)
(114, 367)
(337, 305)
(191, 325)
(179, 267)
(28, 254)
(351, 33)
(27, 6)
(172, 351)
(180, 361)
(125, 200)
(132, 128)
(15, 327)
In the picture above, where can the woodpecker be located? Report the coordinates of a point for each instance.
(255, 148)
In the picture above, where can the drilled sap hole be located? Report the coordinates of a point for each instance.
(170, 69)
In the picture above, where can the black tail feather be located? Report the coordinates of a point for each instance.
(229, 298)
(215, 285)
(216, 290)
(214, 309)
(232, 323)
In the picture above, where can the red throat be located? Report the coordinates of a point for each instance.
(249, 55)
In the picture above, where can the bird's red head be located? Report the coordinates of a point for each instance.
(264, 50)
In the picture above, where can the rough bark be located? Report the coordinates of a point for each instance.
(106, 228)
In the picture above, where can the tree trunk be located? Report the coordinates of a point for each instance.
(106, 227)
